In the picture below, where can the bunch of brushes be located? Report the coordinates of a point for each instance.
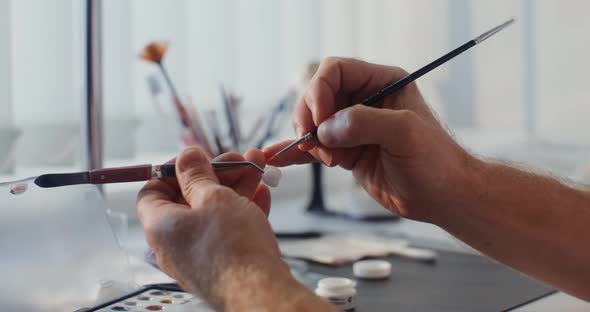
(265, 128)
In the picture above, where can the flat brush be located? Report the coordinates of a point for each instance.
(114, 175)
(126, 174)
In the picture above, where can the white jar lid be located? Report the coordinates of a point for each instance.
(338, 291)
(372, 269)
(335, 283)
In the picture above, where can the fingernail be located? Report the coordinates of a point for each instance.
(191, 159)
(325, 157)
(298, 131)
(188, 164)
(331, 130)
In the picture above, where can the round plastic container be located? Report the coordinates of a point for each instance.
(340, 292)
(372, 269)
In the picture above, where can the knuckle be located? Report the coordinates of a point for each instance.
(407, 119)
(332, 61)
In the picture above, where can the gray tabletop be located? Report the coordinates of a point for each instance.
(460, 279)
(456, 282)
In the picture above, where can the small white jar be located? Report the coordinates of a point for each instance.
(341, 292)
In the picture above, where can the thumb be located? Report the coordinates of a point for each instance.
(364, 125)
(195, 175)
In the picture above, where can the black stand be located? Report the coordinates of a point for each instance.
(317, 204)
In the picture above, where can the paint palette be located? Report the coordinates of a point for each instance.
(156, 299)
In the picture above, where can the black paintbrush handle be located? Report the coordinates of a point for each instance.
(373, 99)
(370, 101)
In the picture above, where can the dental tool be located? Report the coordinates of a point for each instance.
(114, 175)
(372, 100)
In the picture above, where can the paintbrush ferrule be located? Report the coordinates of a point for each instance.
(310, 135)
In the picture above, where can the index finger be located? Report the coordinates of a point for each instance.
(156, 192)
(244, 180)
(294, 156)
(339, 83)
(153, 198)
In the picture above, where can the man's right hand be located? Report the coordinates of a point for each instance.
(398, 150)
(406, 160)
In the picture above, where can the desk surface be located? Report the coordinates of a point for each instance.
(456, 282)
(460, 280)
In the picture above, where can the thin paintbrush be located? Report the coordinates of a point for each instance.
(272, 126)
(155, 53)
(232, 120)
(372, 100)
(213, 125)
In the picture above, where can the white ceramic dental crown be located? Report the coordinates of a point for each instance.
(272, 176)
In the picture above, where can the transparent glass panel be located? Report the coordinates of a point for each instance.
(57, 246)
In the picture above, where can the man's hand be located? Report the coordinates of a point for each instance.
(406, 160)
(210, 232)
(398, 151)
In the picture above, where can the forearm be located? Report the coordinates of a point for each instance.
(272, 293)
(531, 222)
(251, 288)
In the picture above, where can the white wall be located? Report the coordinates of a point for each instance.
(389, 33)
(45, 48)
(338, 28)
(5, 65)
(499, 66)
(260, 47)
(159, 20)
(119, 59)
(300, 40)
(259, 51)
(213, 45)
(563, 71)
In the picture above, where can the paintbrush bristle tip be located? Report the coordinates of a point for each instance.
(155, 51)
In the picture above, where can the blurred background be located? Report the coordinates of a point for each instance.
(521, 96)
(527, 85)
